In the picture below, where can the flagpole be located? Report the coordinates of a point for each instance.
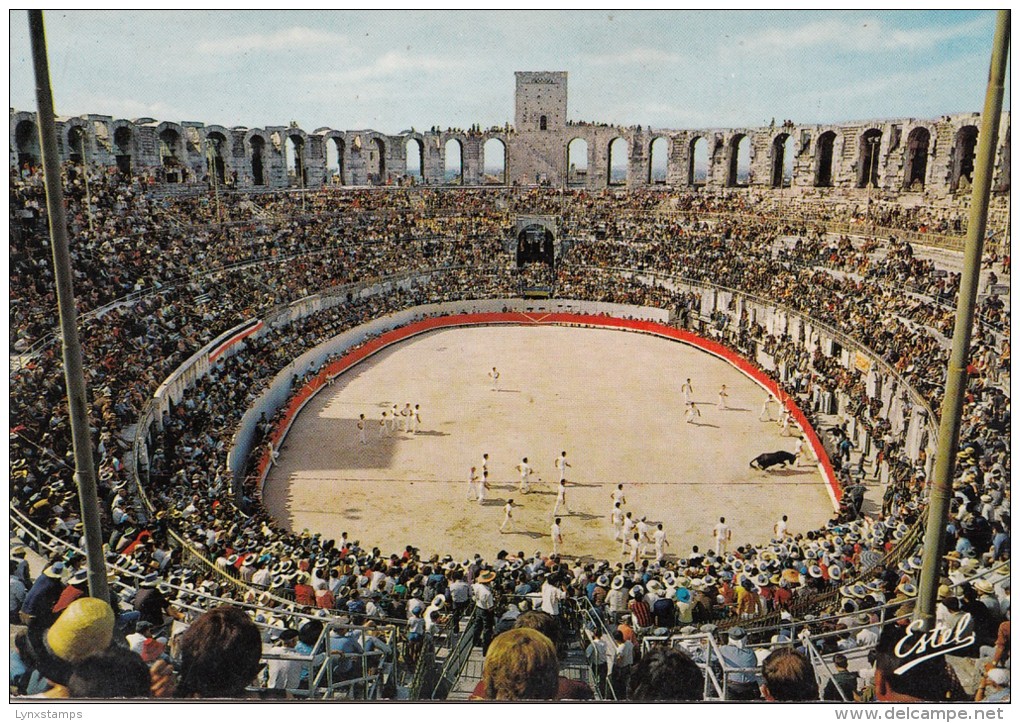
(74, 378)
(956, 374)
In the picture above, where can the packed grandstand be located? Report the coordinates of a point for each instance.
(204, 580)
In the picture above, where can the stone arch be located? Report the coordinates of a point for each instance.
(123, 146)
(170, 140)
(257, 142)
(698, 150)
(216, 148)
(915, 165)
(26, 141)
(617, 147)
(658, 160)
(334, 146)
(457, 168)
(577, 176)
(868, 163)
(414, 148)
(498, 173)
(76, 141)
(295, 146)
(378, 147)
(737, 144)
(964, 152)
(824, 158)
(782, 158)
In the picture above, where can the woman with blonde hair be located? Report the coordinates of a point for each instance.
(521, 664)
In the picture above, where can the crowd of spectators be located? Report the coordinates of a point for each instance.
(158, 278)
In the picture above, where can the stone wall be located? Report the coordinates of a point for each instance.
(931, 159)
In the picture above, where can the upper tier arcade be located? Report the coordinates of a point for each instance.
(927, 158)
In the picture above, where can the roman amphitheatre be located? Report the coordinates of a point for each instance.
(246, 294)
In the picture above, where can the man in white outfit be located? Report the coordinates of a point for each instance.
(643, 529)
(561, 497)
(798, 450)
(634, 548)
(361, 429)
(723, 396)
(508, 516)
(617, 519)
(688, 391)
(617, 496)
(766, 409)
(660, 543)
(557, 536)
(628, 530)
(561, 465)
(722, 534)
(494, 377)
(525, 469)
(472, 485)
(483, 485)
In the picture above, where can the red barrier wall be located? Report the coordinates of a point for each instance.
(522, 318)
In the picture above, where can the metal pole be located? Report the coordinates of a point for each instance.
(956, 374)
(84, 474)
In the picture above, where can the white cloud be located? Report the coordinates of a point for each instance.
(634, 56)
(388, 65)
(861, 35)
(293, 38)
(125, 107)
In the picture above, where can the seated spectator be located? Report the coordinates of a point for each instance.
(742, 683)
(842, 680)
(285, 670)
(788, 676)
(521, 664)
(666, 674)
(25, 679)
(84, 628)
(219, 655)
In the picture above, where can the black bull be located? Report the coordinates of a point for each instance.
(771, 459)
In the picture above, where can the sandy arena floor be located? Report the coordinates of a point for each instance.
(611, 399)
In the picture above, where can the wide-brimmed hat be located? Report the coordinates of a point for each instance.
(54, 571)
(683, 594)
(617, 582)
(908, 589)
(486, 576)
(984, 587)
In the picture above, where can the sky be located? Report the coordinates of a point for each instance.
(393, 70)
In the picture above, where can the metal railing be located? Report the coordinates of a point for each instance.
(453, 665)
